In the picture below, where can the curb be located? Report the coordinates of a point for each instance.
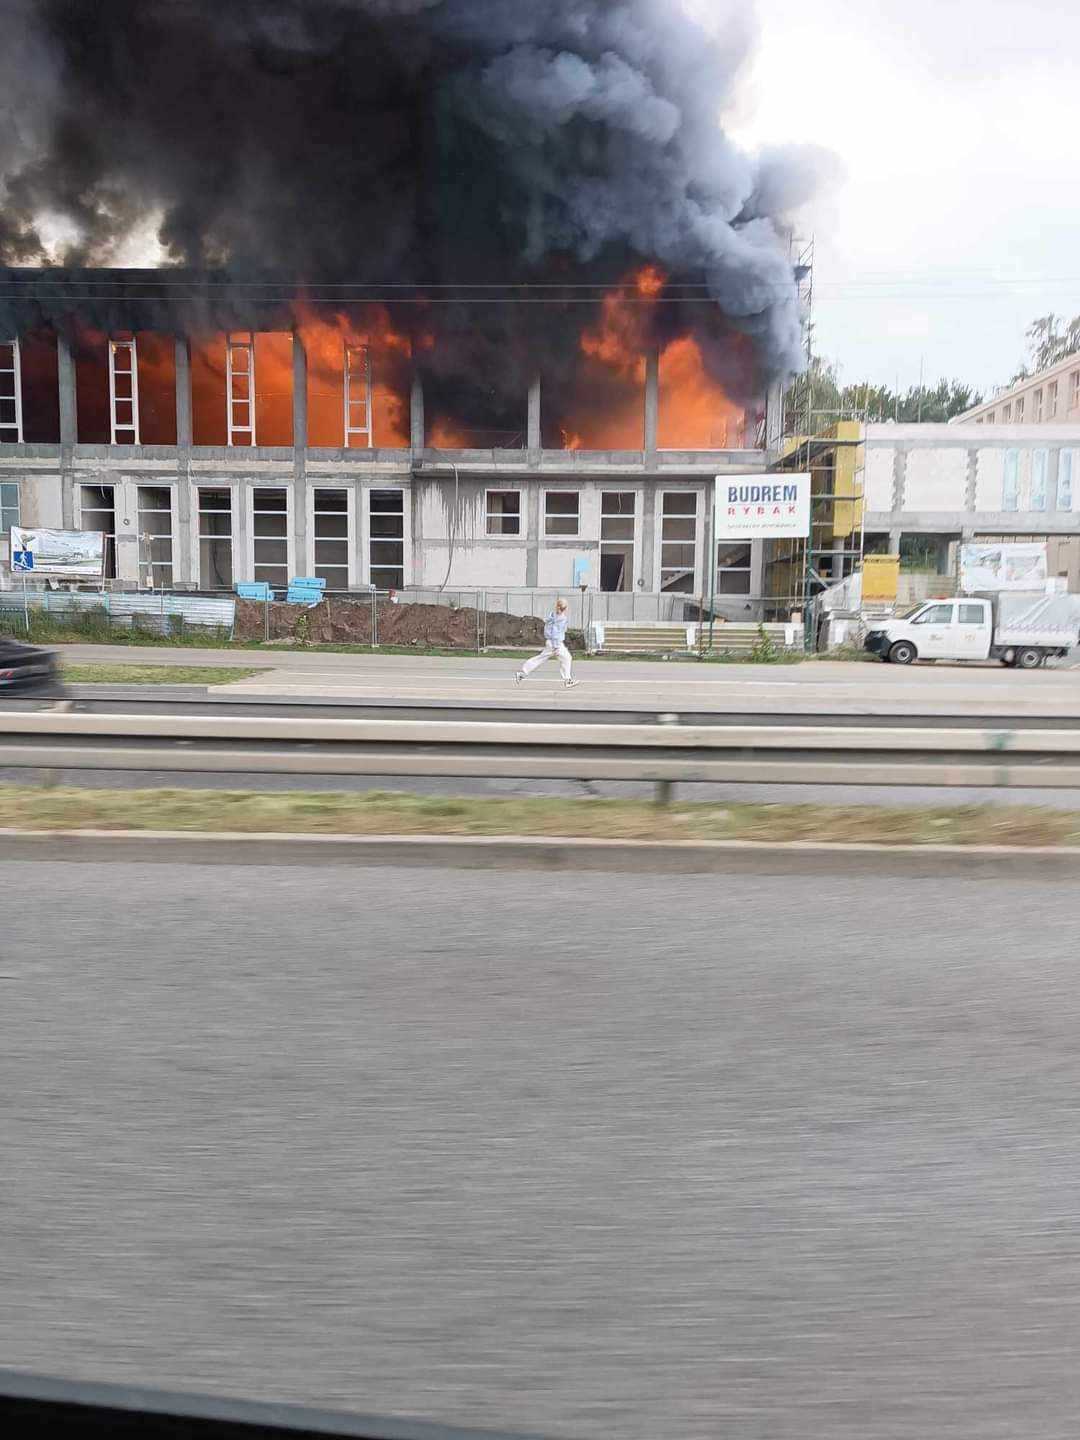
(547, 853)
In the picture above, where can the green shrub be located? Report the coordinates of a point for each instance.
(764, 650)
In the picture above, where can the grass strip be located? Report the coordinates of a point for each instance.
(385, 813)
(122, 674)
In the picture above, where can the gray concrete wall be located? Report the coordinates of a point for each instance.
(948, 479)
(446, 525)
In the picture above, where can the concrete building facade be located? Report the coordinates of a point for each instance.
(203, 517)
(950, 483)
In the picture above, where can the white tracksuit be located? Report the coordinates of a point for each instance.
(555, 646)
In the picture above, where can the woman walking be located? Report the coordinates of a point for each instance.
(554, 647)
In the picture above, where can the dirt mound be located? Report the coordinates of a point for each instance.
(348, 622)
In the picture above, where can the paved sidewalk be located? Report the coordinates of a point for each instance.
(828, 685)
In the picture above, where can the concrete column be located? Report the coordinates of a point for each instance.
(69, 427)
(184, 430)
(183, 559)
(417, 431)
(533, 438)
(757, 575)
(532, 534)
(971, 487)
(299, 404)
(652, 406)
(647, 556)
(414, 501)
(243, 567)
(299, 393)
(69, 422)
(899, 478)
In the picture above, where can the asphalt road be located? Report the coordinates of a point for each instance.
(767, 1159)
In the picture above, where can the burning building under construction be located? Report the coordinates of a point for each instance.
(445, 292)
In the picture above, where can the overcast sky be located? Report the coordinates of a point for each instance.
(958, 126)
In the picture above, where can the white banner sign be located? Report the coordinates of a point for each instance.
(1020, 565)
(73, 554)
(762, 507)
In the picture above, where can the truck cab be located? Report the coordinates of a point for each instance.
(959, 629)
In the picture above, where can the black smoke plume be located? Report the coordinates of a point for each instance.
(411, 149)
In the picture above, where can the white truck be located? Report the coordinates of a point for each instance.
(1020, 629)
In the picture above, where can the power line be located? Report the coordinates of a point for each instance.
(684, 289)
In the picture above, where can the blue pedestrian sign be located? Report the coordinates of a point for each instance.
(22, 560)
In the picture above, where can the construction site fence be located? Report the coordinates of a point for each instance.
(164, 613)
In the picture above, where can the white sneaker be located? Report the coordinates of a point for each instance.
(572, 684)
(519, 677)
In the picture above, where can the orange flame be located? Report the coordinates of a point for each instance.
(40, 386)
(650, 281)
(208, 421)
(614, 370)
(273, 389)
(695, 412)
(444, 435)
(156, 366)
(325, 338)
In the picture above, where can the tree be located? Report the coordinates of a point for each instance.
(816, 399)
(1049, 339)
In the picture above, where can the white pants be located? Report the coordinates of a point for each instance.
(550, 652)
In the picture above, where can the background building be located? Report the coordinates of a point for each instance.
(1050, 398)
(929, 487)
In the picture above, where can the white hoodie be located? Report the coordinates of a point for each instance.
(555, 628)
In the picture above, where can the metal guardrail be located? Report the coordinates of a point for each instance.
(663, 754)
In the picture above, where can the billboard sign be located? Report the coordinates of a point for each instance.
(1018, 565)
(762, 507)
(64, 554)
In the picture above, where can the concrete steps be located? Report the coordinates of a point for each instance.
(646, 639)
(627, 638)
(738, 639)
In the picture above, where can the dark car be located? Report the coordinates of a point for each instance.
(27, 669)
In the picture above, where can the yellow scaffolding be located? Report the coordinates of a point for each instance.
(797, 570)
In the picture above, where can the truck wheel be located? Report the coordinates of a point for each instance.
(903, 653)
(1028, 658)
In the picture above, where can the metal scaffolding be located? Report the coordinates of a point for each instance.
(802, 569)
